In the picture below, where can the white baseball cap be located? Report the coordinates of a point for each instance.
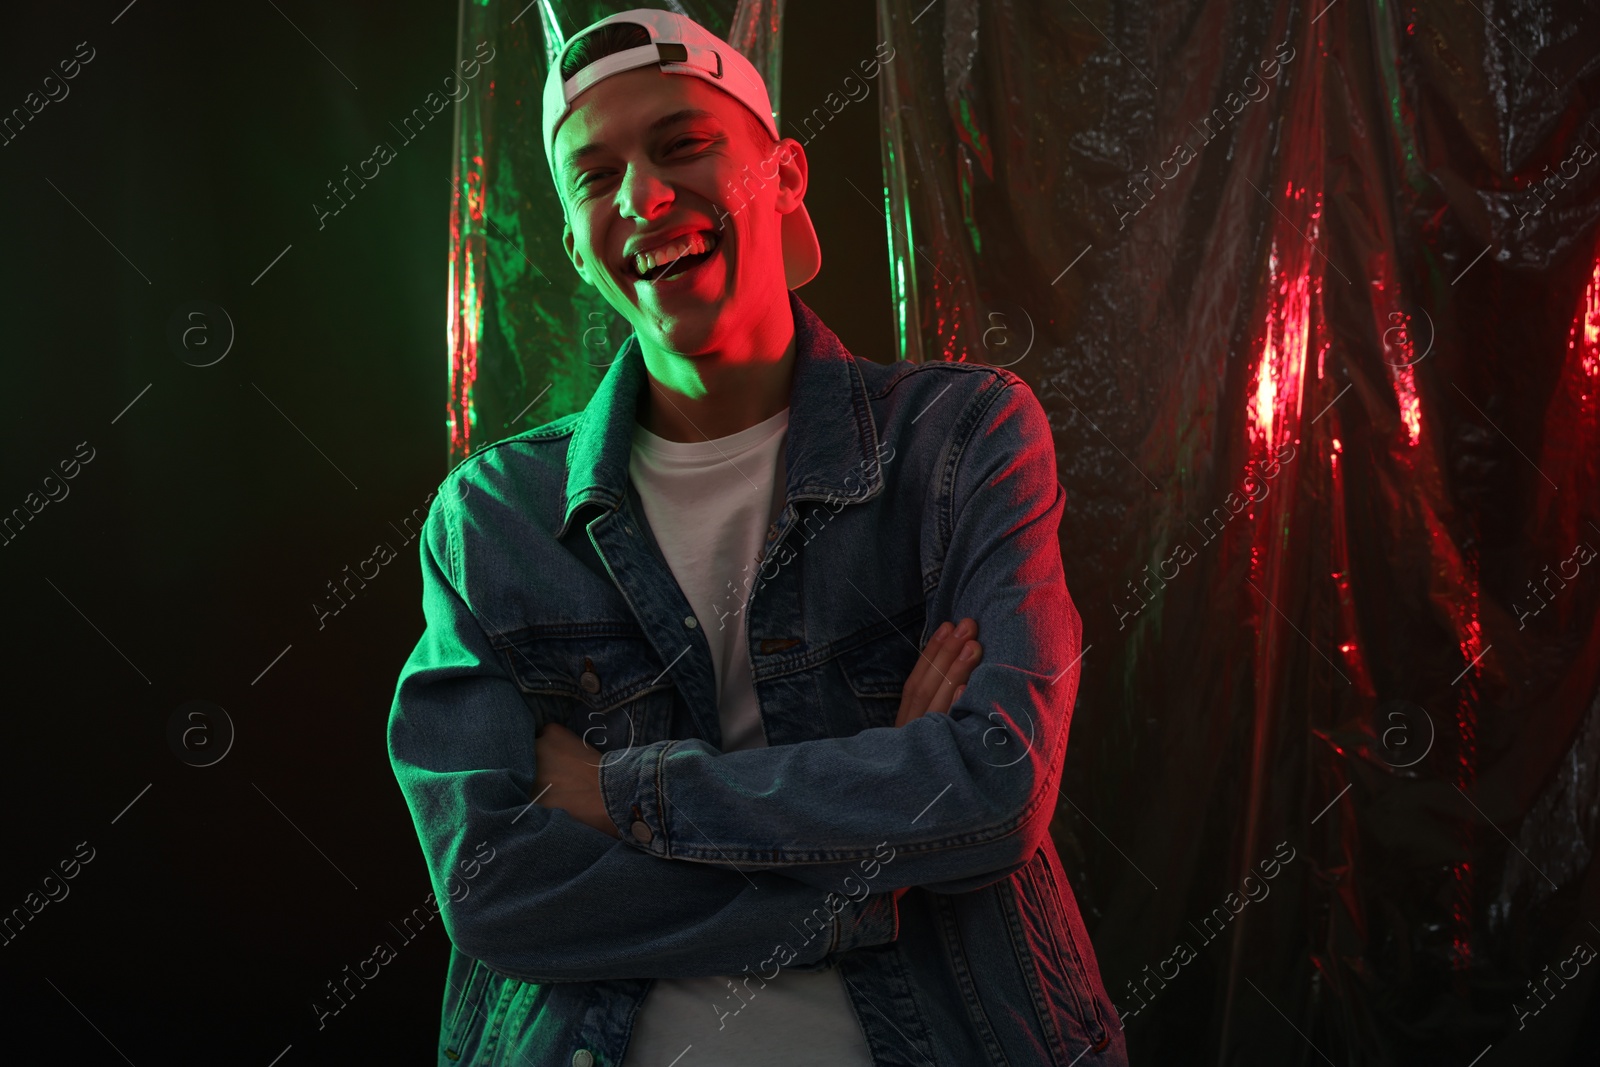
(679, 45)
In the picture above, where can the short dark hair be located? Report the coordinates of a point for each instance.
(616, 37)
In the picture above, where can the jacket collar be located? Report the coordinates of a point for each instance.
(832, 440)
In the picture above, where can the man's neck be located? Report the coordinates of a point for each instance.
(714, 394)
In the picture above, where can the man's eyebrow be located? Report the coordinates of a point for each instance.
(685, 115)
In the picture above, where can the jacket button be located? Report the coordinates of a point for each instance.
(690, 622)
(583, 1058)
(641, 831)
(589, 681)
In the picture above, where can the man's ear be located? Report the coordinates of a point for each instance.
(792, 175)
(572, 251)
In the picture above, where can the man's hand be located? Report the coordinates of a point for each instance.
(941, 672)
(939, 677)
(567, 776)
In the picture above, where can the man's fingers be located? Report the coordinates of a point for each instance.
(944, 660)
(956, 675)
(911, 693)
(932, 674)
(930, 670)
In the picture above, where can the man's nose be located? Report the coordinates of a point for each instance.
(643, 192)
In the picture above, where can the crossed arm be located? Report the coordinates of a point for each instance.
(568, 769)
(532, 891)
(963, 798)
(565, 901)
(557, 900)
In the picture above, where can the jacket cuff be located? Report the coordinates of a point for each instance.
(630, 787)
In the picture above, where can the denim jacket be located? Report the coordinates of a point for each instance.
(915, 493)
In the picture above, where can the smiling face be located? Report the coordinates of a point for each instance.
(665, 163)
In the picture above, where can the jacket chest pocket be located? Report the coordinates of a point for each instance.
(602, 681)
(876, 663)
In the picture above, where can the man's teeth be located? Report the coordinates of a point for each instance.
(690, 245)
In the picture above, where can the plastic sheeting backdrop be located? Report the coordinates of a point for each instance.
(1312, 295)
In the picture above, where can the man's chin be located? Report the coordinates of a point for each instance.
(684, 330)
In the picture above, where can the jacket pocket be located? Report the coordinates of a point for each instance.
(877, 660)
(1050, 943)
(462, 997)
(601, 680)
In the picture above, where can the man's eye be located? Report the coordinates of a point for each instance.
(675, 145)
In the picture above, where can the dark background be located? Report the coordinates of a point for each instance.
(185, 558)
(221, 500)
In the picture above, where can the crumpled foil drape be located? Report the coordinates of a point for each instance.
(1311, 293)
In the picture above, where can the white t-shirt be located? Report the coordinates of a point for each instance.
(710, 504)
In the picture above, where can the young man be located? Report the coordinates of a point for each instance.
(666, 739)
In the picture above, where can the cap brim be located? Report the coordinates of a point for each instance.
(802, 253)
